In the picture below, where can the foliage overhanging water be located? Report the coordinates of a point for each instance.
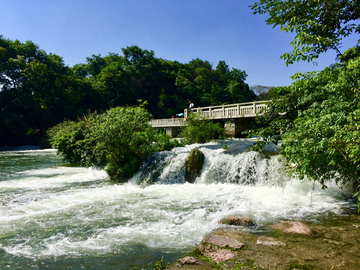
(56, 217)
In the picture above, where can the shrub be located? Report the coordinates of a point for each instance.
(119, 141)
(198, 129)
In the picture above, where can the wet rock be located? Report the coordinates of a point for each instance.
(216, 254)
(213, 246)
(193, 165)
(335, 247)
(295, 227)
(269, 241)
(235, 232)
(189, 260)
(223, 242)
(237, 221)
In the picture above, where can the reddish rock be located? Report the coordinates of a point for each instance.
(216, 254)
(237, 221)
(296, 227)
(214, 247)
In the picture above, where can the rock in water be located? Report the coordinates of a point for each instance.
(237, 221)
(193, 165)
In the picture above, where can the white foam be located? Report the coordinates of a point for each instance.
(52, 177)
(65, 211)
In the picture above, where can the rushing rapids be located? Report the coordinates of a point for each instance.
(54, 216)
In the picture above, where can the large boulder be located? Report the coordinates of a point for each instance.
(193, 165)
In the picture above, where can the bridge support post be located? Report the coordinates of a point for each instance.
(230, 129)
(241, 125)
(234, 128)
(173, 131)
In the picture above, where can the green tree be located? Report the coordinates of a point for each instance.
(313, 118)
(319, 25)
(317, 117)
(206, 86)
(95, 64)
(201, 130)
(113, 84)
(118, 140)
(37, 91)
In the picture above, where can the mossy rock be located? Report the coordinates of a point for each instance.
(193, 165)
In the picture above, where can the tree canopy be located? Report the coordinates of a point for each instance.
(319, 25)
(317, 119)
(37, 90)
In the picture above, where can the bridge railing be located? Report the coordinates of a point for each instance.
(177, 122)
(237, 110)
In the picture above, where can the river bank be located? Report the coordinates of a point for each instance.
(331, 244)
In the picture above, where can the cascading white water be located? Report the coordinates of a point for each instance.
(53, 214)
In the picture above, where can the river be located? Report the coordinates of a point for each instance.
(57, 217)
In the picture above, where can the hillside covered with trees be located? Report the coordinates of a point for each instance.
(38, 91)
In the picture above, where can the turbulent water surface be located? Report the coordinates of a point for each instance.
(57, 217)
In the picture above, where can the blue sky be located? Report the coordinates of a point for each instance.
(180, 30)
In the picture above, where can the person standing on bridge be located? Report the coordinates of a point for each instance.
(191, 105)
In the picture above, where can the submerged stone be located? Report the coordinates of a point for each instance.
(193, 165)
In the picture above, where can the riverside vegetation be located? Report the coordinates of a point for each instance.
(317, 118)
(121, 139)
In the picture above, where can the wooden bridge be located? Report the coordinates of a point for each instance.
(238, 117)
